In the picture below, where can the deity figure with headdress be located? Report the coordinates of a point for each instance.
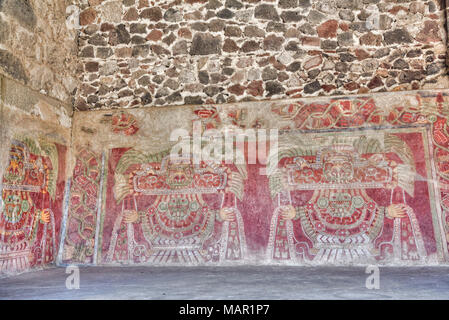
(343, 199)
(176, 211)
(27, 222)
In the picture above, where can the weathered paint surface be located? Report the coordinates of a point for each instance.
(359, 179)
(35, 135)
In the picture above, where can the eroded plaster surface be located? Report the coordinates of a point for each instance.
(357, 179)
(35, 143)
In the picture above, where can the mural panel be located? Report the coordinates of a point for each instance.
(32, 196)
(347, 197)
(79, 241)
(164, 211)
(354, 180)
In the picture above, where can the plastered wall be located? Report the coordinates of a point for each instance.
(35, 143)
(356, 180)
(359, 114)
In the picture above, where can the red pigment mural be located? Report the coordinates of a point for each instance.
(32, 196)
(172, 212)
(351, 182)
(125, 123)
(79, 241)
(363, 197)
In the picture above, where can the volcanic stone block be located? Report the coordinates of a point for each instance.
(204, 44)
(397, 36)
(266, 12)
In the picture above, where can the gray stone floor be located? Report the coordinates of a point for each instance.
(253, 283)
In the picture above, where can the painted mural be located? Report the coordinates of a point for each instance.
(32, 198)
(354, 180)
(79, 242)
(173, 211)
(357, 197)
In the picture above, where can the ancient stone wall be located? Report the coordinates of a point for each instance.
(144, 53)
(36, 47)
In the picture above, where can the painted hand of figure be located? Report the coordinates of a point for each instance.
(397, 211)
(287, 212)
(130, 216)
(45, 216)
(227, 214)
